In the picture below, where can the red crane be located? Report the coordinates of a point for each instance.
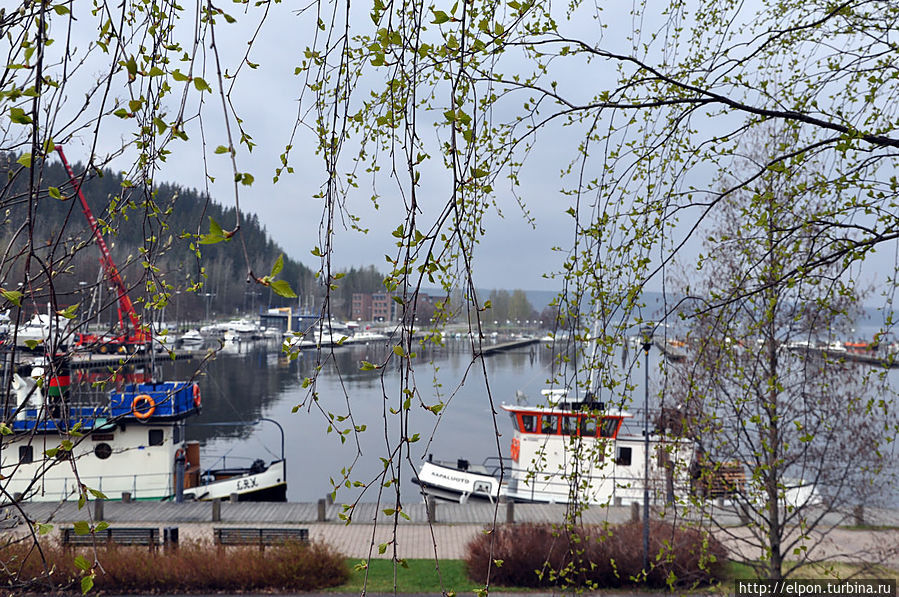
(133, 336)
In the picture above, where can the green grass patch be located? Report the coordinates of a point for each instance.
(420, 576)
(833, 570)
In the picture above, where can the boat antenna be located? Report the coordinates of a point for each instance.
(591, 377)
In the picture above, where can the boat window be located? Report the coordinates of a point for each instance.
(529, 423)
(569, 425)
(550, 424)
(156, 437)
(609, 426)
(26, 454)
(624, 457)
(103, 451)
(588, 427)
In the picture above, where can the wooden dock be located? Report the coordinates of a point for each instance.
(88, 360)
(287, 513)
(452, 526)
(511, 345)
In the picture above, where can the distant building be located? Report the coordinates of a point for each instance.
(284, 319)
(383, 307)
(361, 309)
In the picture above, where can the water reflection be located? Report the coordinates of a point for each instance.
(323, 448)
(352, 418)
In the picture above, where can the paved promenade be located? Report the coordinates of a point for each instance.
(454, 525)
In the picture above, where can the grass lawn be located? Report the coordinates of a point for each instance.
(420, 577)
(833, 570)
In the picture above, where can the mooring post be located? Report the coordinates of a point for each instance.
(216, 510)
(635, 511)
(322, 505)
(432, 509)
(510, 512)
(98, 510)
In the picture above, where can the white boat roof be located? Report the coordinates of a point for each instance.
(559, 410)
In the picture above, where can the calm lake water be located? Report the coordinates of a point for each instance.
(254, 380)
(258, 382)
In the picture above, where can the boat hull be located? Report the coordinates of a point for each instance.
(445, 482)
(269, 485)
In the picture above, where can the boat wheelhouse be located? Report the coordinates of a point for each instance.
(567, 452)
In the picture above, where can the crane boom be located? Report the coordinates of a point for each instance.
(136, 333)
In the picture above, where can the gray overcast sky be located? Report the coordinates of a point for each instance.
(513, 254)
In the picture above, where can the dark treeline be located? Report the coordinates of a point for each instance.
(152, 236)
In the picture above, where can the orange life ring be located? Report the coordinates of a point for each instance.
(197, 398)
(516, 449)
(143, 411)
(179, 453)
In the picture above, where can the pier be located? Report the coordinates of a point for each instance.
(452, 526)
(87, 360)
(511, 345)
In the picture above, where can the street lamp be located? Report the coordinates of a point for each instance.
(208, 296)
(83, 313)
(646, 335)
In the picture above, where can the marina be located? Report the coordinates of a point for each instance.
(246, 381)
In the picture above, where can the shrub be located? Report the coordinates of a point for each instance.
(193, 567)
(542, 555)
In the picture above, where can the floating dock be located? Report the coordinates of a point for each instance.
(511, 345)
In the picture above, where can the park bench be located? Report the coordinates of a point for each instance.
(260, 537)
(148, 536)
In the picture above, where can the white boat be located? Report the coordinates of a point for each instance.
(127, 441)
(567, 450)
(314, 338)
(367, 337)
(244, 328)
(191, 340)
(43, 330)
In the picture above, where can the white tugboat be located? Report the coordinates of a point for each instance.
(566, 450)
(126, 441)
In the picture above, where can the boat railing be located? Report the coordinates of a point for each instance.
(221, 462)
(138, 485)
(496, 464)
(171, 399)
(626, 487)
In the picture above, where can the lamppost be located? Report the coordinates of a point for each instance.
(208, 296)
(646, 334)
(83, 313)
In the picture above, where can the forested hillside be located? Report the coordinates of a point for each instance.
(152, 236)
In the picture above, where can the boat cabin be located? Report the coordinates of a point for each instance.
(556, 423)
(551, 444)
